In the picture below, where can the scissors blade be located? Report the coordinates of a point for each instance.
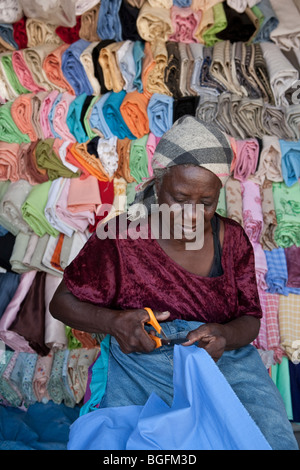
(172, 342)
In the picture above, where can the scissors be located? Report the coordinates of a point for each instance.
(164, 340)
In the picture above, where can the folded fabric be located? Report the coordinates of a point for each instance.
(87, 61)
(112, 75)
(73, 120)
(49, 160)
(84, 195)
(234, 202)
(24, 74)
(109, 25)
(134, 112)
(55, 336)
(9, 165)
(139, 159)
(126, 64)
(160, 113)
(219, 24)
(287, 208)
(97, 121)
(89, 21)
(21, 112)
(9, 131)
(33, 210)
(269, 166)
(34, 58)
(73, 69)
(289, 308)
(41, 377)
(76, 221)
(252, 210)
(185, 22)
(53, 70)
(290, 161)
(247, 158)
(277, 274)
(154, 22)
(7, 389)
(113, 117)
(152, 425)
(267, 237)
(11, 203)
(282, 74)
(10, 74)
(9, 337)
(287, 33)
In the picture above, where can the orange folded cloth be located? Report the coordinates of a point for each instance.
(53, 70)
(123, 151)
(134, 112)
(21, 112)
(55, 259)
(92, 164)
(83, 195)
(9, 162)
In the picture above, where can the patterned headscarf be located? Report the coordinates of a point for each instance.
(188, 141)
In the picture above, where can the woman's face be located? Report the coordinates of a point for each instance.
(191, 185)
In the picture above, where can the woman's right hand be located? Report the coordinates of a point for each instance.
(127, 327)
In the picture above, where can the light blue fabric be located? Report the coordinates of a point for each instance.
(73, 69)
(133, 378)
(205, 414)
(97, 120)
(269, 23)
(109, 24)
(51, 116)
(160, 113)
(290, 161)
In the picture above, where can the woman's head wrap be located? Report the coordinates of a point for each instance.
(188, 141)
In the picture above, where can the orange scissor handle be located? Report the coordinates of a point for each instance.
(153, 322)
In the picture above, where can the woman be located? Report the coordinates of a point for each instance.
(206, 295)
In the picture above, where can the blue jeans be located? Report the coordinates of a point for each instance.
(131, 378)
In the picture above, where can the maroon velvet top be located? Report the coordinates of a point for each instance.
(127, 274)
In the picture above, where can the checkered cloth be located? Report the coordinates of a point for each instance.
(289, 325)
(277, 274)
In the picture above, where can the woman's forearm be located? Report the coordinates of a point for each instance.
(241, 331)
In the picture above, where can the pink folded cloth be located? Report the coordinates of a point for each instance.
(23, 73)
(252, 210)
(44, 113)
(84, 195)
(150, 148)
(78, 221)
(247, 152)
(60, 116)
(185, 23)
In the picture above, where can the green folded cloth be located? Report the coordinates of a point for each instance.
(47, 159)
(287, 210)
(221, 207)
(9, 131)
(11, 76)
(220, 23)
(138, 161)
(33, 210)
(55, 387)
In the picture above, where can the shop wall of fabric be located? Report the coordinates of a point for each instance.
(86, 93)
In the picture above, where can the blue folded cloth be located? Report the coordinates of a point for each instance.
(109, 24)
(73, 69)
(73, 120)
(290, 161)
(160, 113)
(113, 116)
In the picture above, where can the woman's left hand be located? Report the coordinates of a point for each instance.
(211, 337)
